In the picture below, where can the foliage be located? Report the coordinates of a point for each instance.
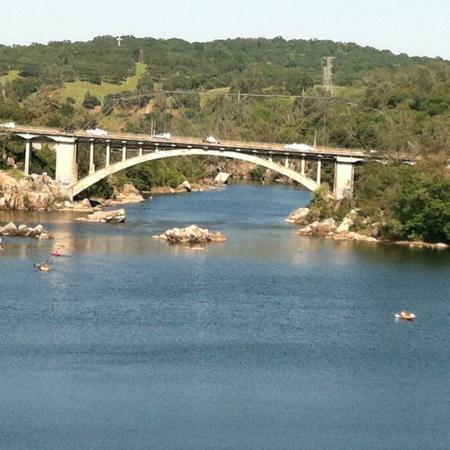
(410, 204)
(90, 101)
(258, 173)
(322, 204)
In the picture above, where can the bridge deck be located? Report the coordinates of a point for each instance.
(134, 140)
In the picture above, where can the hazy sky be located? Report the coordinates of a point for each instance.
(416, 27)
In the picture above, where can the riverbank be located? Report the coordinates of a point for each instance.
(350, 228)
(42, 193)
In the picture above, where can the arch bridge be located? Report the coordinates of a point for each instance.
(134, 149)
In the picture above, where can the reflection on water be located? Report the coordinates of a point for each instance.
(268, 340)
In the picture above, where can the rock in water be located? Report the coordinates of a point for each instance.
(9, 229)
(117, 216)
(222, 178)
(192, 235)
(187, 185)
(24, 231)
(298, 216)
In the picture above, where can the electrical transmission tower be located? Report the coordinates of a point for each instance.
(328, 73)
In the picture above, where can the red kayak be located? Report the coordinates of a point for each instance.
(55, 253)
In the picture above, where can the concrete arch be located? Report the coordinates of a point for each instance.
(88, 181)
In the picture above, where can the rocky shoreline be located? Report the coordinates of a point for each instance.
(336, 230)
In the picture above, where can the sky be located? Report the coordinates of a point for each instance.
(415, 27)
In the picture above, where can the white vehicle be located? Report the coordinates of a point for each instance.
(164, 135)
(10, 125)
(97, 132)
(211, 140)
(299, 147)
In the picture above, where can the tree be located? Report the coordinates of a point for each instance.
(90, 101)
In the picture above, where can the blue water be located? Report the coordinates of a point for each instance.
(266, 341)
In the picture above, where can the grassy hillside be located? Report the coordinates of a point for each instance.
(11, 75)
(78, 89)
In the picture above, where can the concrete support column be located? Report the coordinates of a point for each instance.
(140, 148)
(108, 154)
(319, 170)
(124, 150)
(91, 156)
(66, 161)
(343, 177)
(270, 158)
(286, 162)
(27, 157)
(302, 167)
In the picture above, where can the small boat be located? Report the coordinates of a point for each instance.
(55, 253)
(405, 315)
(44, 267)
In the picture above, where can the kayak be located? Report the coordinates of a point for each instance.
(55, 253)
(405, 315)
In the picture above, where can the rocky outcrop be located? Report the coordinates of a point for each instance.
(350, 236)
(117, 216)
(187, 186)
(341, 231)
(81, 206)
(23, 230)
(33, 193)
(329, 228)
(298, 216)
(222, 178)
(127, 194)
(192, 235)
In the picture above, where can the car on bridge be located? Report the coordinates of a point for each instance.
(298, 147)
(164, 135)
(97, 132)
(211, 140)
(9, 125)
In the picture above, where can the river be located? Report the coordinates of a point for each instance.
(269, 340)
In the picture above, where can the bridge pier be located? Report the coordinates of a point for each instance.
(28, 148)
(26, 169)
(91, 156)
(319, 171)
(124, 150)
(140, 148)
(108, 154)
(302, 167)
(66, 171)
(286, 162)
(344, 177)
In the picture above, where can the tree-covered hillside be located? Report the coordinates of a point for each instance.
(247, 64)
(379, 100)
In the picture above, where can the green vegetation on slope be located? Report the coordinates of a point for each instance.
(397, 202)
(392, 103)
(78, 89)
(11, 75)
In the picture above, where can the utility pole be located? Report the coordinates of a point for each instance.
(327, 84)
(328, 73)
